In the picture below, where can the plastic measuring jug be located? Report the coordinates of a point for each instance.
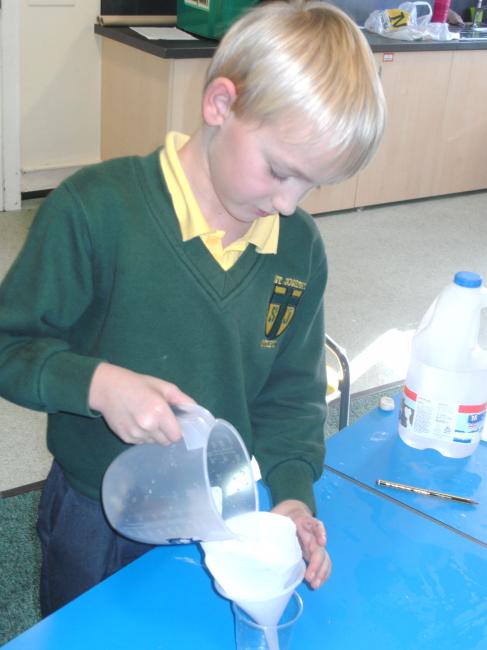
(183, 492)
(444, 399)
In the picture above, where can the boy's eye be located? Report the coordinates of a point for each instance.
(276, 175)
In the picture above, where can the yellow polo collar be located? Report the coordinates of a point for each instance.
(263, 233)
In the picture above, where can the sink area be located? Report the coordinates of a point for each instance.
(471, 34)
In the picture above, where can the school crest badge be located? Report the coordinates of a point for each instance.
(284, 300)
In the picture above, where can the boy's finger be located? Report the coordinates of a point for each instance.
(318, 570)
(159, 438)
(168, 435)
(317, 528)
(168, 427)
(174, 395)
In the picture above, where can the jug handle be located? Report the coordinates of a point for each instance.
(188, 416)
(426, 320)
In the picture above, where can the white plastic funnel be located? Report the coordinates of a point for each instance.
(268, 611)
(261, 567)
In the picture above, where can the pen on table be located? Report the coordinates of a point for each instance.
(425, 491)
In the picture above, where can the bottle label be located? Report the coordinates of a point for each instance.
(462, 423)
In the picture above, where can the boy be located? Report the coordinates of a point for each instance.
(190, 275)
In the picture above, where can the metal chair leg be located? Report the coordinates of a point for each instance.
(344, 383)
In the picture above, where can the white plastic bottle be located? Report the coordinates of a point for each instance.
(444, 400)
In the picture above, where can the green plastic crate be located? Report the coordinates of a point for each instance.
(210, 18)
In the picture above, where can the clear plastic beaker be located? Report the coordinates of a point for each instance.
(183, 492)
(250, 635)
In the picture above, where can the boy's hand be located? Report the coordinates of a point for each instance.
(312, 537)
(136, 407)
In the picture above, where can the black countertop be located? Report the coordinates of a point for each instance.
(198, 49)
(203, 48)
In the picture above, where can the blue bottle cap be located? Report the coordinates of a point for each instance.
(468, 279)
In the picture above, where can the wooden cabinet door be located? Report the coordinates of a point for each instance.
(186, 83)
(405, 166)
(463, 153)
(144, 97)
(331, 197)
(134, 100)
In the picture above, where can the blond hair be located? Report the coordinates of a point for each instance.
(307, 59)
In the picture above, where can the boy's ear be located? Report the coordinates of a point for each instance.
(218, 100)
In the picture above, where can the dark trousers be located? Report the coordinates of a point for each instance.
(79, 548)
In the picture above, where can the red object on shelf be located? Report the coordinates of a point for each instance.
(440, 11)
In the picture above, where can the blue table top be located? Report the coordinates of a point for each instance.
(399, 581)
(371, 449)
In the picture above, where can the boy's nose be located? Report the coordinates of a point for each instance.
(285, 202)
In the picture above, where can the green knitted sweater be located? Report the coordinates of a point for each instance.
(105, 275)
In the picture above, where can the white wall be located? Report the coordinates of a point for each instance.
(60, 70)
(9, 106)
